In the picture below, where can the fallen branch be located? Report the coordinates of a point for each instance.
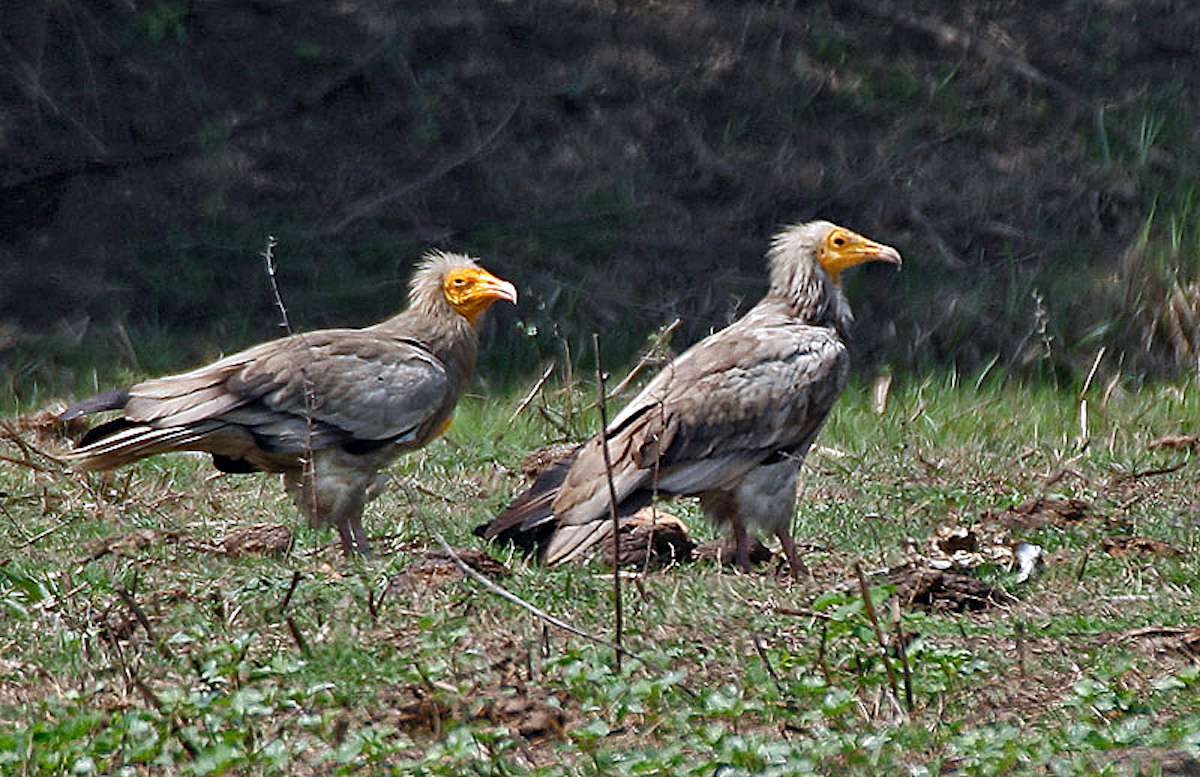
(1153, 472)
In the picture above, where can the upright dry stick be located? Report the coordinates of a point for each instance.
(902, 651)
(870, 608)
(612, 499)
(308, 473)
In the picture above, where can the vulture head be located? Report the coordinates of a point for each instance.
(454, 280)
(806, 264)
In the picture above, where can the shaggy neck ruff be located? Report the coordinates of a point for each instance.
(801, 283)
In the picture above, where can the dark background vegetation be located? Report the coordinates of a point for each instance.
(623, 162)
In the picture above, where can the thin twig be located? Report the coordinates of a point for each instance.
(25, 463)
(618, 615)
(42, 535)
(660, 339)
(291, 590)
(268, 255)
(821, 654)
(902, 650)
(762, 654)
(369, 205)
(297, 637)
(1020, 639)
(528, 398)
(504, 593)
(138, 613)
(870, 608)
(1153, 472)
(150, 697)
(1083, 566)
(308, 474)
(801, 612)
(375, 603)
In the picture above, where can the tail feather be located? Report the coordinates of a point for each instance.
(120, 442)
(531, 524)
(529, 521)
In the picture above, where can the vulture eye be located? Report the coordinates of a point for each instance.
(459, 281)
(839, 241)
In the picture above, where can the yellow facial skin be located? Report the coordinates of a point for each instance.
(843, 248)
(472, 290)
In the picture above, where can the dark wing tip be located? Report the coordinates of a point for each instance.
(114, 399)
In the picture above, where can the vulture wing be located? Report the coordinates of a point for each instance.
(758, 388)
(345, 387)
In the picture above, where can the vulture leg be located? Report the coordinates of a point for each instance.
(353, 536)
(795, 565)
(742, 541)
(335, 492)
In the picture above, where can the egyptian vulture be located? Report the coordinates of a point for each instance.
(729, 420)
(328, 408)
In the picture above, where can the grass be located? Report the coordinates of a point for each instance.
(132, 643)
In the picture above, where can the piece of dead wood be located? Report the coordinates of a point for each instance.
(935, 589)
(537, 461)
(1176, 441)
(1123, 544)
(436, 568)
(267, 539)
(650, 538)
(951, 540)
(964, 548)
(1041, 511)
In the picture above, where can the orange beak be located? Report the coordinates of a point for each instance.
(486, 289)
(846, 249)
(490, 287)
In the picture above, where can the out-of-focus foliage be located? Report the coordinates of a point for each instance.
(624, 163)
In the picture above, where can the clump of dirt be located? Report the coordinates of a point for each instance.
(267, 539)
(131, 543)
(1043, 511)
(437, 568)
(531, 713)
(1122, 545)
